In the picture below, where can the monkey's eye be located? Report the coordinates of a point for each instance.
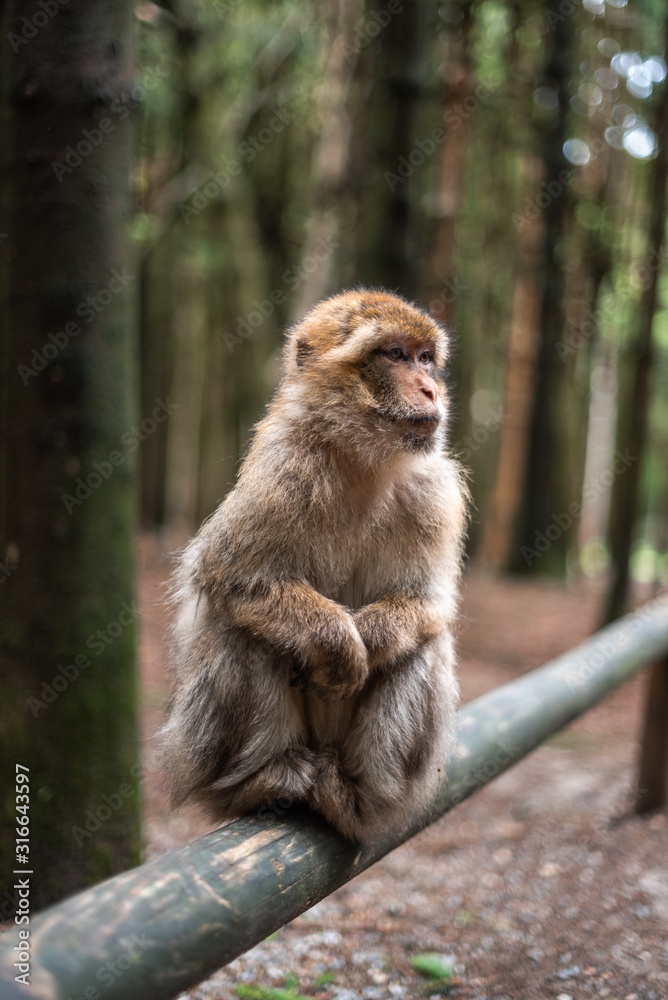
(395, 353)
(426, 358)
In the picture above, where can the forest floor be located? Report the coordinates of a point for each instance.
(542, 886)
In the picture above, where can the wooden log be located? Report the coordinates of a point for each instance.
(653, 769)
(152, 932)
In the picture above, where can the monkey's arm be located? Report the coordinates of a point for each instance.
(397, 625)
(292, 616)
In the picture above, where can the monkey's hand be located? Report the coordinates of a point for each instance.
(396, 626)
(331, 657)
(334, 662)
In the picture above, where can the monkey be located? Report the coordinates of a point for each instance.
(313, 638)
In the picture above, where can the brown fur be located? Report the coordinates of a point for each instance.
(313, 640)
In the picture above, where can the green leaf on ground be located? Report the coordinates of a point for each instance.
(441, 976)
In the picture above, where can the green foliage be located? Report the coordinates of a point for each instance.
(441, 977)
(326, 977)
(431, 965)
(252, 991)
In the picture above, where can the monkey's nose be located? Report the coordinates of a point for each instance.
(429, 393)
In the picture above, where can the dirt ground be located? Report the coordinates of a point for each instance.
(542, 886)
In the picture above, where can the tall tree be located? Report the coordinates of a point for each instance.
(635, 374)
(545, 493)
(452, 159)
(525, 283)
(331, 165)
(67, 497)
(506, 496)
(393, 53)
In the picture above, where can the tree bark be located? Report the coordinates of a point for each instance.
(635, 373)
(385, 130)
(156, 312)
(451, 169)
(653, 764)
(519, 391)
(67, 492)
(544, 493)
(332, 152)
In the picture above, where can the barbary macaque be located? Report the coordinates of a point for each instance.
(313, 642)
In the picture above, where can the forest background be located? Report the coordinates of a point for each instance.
(502, 164)
(182, 181)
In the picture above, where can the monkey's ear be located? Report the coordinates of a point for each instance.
(304, 351)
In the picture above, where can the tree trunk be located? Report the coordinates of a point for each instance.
(545, 494)
(332, 152)
(390, 67)
(156, 314)
(67, 494)
(451, 169)
(653, 764)
(635, 372)
(520, 388)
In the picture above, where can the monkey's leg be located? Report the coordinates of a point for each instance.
(394, 754)
(289, 775)
(232, 714)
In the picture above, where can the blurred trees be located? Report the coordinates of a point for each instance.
(497, 160)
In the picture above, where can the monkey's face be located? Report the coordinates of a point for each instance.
(369, 367)
(402, 378)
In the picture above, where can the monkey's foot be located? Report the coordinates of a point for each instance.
(288, 776)
(337, 796)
